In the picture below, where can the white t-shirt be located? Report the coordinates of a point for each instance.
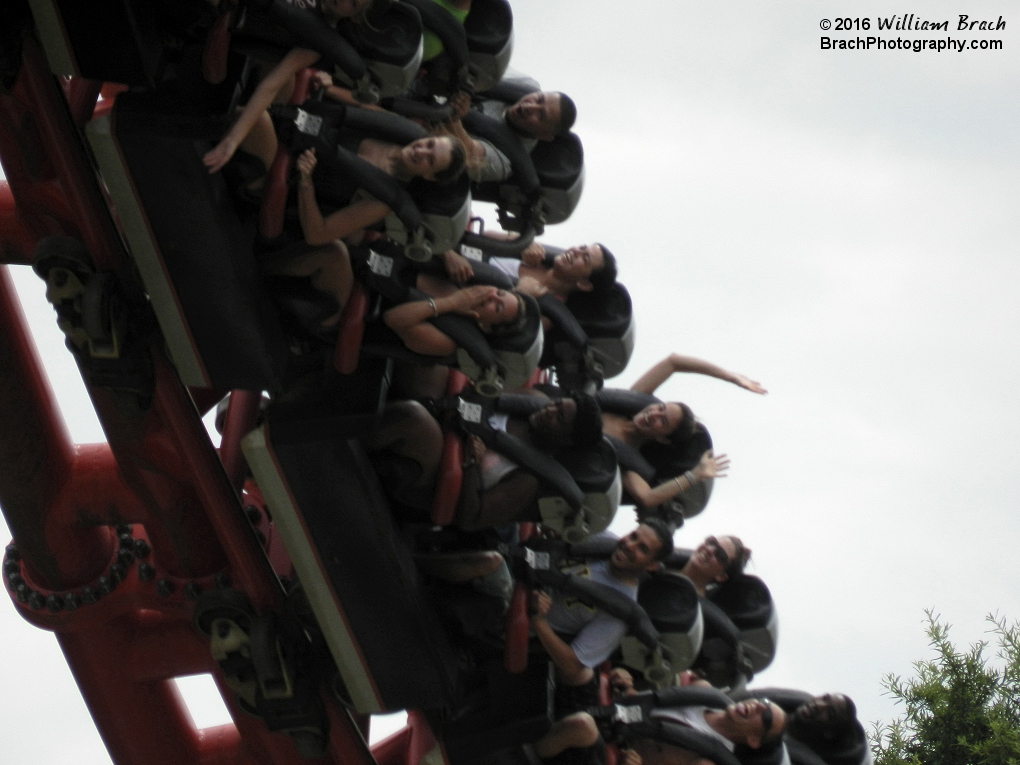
(496, 467)
(509, 266)
(691, 717)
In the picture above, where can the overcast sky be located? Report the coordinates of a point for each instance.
(840, 225)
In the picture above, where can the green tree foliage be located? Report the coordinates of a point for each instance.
(958, 709)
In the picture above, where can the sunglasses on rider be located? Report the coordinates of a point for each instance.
(766, 717)
(718, 551)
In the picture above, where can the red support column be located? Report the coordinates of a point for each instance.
(36, 463)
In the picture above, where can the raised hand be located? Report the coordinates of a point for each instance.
(711, 466)
(748, 384)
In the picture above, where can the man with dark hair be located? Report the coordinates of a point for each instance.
(578, 637)
(496, 490)
(538, 116)
(828, 726)
(568, 113)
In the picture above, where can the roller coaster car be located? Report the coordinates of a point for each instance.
(359, 576)
(201, 277)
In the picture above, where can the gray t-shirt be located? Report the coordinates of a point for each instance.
(595, 634)
(495, 164)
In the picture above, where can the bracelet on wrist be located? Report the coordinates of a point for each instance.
(432, 305)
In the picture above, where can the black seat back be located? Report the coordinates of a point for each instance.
(489, 28)
(389, 40)
(743, 640)
(671, 602)
(608, 320)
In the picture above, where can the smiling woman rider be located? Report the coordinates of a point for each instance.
(325, 258)
(495, 311)
(662, 431)
(716, 560)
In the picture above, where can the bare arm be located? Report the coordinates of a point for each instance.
(657, 375)
(297, 59)
(324, 82)
(647, 496)
(562, 655)
(411, 320)
(344, 222)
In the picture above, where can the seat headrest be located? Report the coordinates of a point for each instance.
(603, 313)
(490, 37)
(595, 468)
(518, 352)
(489, 27)
(597, 475)
(746, 600)
(445, 211)
(671, 602)
(560, 167)
(748, 603)
(390, 42)
(607, 317)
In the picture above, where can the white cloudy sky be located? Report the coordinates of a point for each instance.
(839, 225)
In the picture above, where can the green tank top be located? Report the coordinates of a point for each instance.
(433, 46)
